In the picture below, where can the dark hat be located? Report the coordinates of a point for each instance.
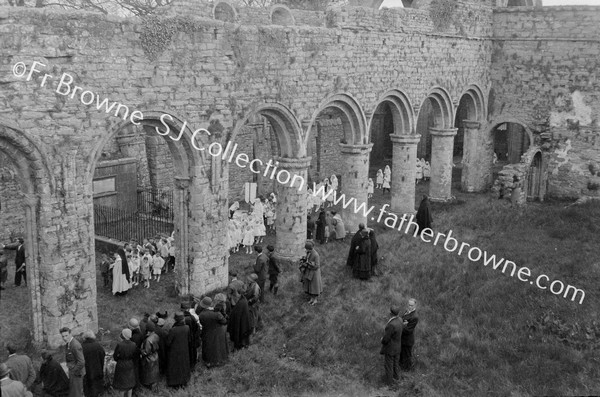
(4, 370)
(185, 305)
(179, 316)
(395, 310)
(206, 303)
(162, 315)
(309, 245)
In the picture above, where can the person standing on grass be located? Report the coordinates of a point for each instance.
(195, 332)
(93, 353)
(391, 346)
(239, 321)
(178, 354)
(311, 273)
(222, 305)
(261, 268)
(321, 223)
(157, 265)
(162, 339)
(423, 217)
(362, 265)
(214, 337)
(354, 243)
(20, 269)
(75, 362)
(120, 271)
(310, 227)
(136, 337)
(125, 353)
(20, 365)
(339, 230)
(274, 270)
(253, 293)
(410, 320)
(105, 270)
(55, 381)
(149, 361)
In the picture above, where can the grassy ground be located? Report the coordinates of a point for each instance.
(480, 332)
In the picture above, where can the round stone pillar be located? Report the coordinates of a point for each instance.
(355, 181)
(442, 148)
(404, 172)
(291, 207)
(183, 262)
(472, 179)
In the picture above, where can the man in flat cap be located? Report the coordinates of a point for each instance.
(391, 346)
(9, 387)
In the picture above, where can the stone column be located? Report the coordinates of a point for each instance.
(442, 148)
(291, 207)
(472, 179)
(183, 261)
(355, 181)
(404, 172)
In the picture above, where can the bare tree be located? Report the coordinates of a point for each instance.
(117, 7)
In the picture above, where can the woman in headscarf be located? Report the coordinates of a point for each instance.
(120, 270)
(311, 273)
(423, 217)
(124, 354)
(374, 249)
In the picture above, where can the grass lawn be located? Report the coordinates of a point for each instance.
(480, 332)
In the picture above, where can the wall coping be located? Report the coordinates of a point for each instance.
(546, 9)
(113, 162)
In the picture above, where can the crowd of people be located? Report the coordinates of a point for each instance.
(245, 229)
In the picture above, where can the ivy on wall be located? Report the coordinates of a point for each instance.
(442, 13)
(158, 32)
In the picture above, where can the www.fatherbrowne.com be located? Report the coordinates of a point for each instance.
(473, 253)
(66, 87)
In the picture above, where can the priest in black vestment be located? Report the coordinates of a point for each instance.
(239, 319)
(354, 245)
(54, 378)
(423, 217)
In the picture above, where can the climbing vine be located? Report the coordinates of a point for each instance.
(442, 13)
(158, 32)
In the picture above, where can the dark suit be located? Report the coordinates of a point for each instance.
(19, 260)
(408, 340)
(261, 268)
(391, 348)
(76, 364)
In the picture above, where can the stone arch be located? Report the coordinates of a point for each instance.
(502, 120)
(402, 112)
(288, 132)
(442, 107)
(475, 102)
(281, 15)
(224, 11)
(37, 183)
(354, 121)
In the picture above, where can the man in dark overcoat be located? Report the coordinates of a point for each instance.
(214, 337)
(162, 342)
(410, 321)
(93, 352)
(239, 320)
(136, 337)
(53, 377)
(391, 346)
(20, 270)
(178, 357)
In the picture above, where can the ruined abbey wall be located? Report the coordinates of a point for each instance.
(198, 70)
(545, 64)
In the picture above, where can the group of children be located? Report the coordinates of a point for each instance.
(423, 170)
(248, 228)
(384, 178)
(150, 259)
(315, 198)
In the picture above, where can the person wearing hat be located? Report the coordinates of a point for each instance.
(410, 320)
(162, 333)
(93, 352)
(3, 269)
(125, 355)
(75, 362)
(214, 337)
(261, 268)
(136, 337)
(178, 358)
(10, 387)
(391, 346)
(195, 330)
(149, 362)
(239, 319)
(311, 273)
(253, 293)
(56, 382)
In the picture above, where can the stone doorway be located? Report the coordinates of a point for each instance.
(535, 179)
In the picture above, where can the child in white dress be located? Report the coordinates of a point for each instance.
(426, 171)
(419, 173)
(379, 179)
(248, 238)
(157, 265)
(370, 188)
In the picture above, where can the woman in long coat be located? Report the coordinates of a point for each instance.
(93, 353)
(214, 337)
(178, 356)
(311, 276)
(239, 320)
(363, 258)
(338, 223)
(124, 354)
(149, 363)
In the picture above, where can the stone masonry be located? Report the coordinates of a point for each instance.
(204, 68)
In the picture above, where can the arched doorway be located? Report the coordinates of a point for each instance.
(511, 141)
(535, 179)
(381, 127)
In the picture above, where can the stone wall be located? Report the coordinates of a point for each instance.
(12, 213)
(544, 70)
(198, 71)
